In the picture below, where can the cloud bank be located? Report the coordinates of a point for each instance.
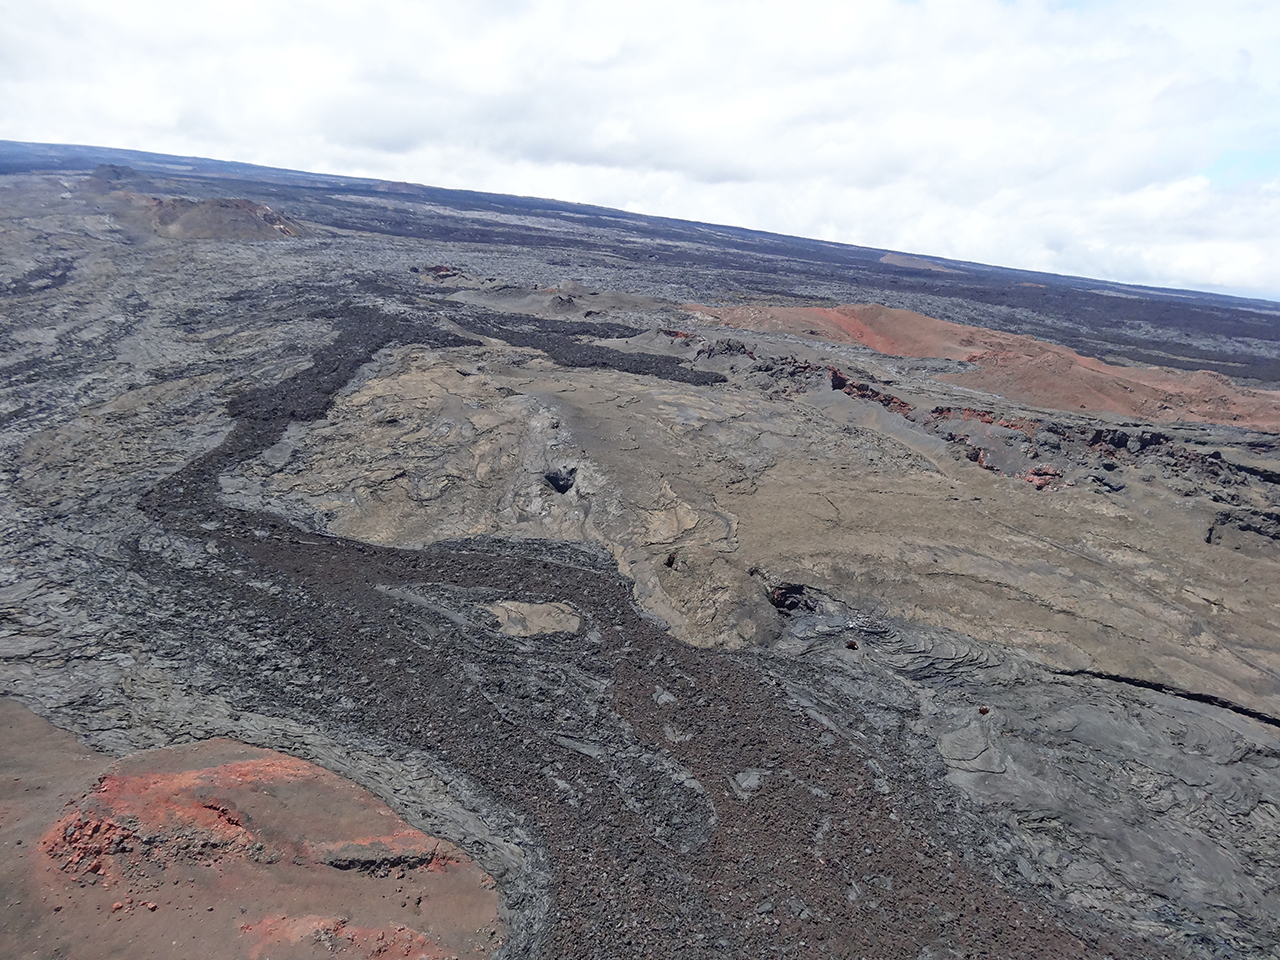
(1137, 141)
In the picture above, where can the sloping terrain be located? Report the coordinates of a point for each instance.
(229, 850)
(218, 219)
(1023, 369)
(762, 627)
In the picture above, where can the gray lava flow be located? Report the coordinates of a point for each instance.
(567, 579)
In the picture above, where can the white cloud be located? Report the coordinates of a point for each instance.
(1137, 141)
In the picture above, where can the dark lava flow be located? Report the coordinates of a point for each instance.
(689, 802)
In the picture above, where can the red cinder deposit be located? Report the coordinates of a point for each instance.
(1021, 368)
(224, 850)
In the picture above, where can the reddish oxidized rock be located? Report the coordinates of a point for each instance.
(864, 391)
(1041, 475)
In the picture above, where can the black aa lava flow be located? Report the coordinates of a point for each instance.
(676, 792)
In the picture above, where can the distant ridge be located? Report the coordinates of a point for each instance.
(24, 157)
(1116, 322)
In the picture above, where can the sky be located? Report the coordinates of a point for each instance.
(1132, 140)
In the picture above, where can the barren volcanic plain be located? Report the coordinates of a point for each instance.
(429, 573)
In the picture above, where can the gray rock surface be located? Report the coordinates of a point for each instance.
(694, 653)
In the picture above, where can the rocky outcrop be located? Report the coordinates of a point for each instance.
(233, 219)
(865, 391)
(247, 849)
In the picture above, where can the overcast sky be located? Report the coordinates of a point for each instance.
(1132, 140)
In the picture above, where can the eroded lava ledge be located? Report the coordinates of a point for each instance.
(719, 594)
